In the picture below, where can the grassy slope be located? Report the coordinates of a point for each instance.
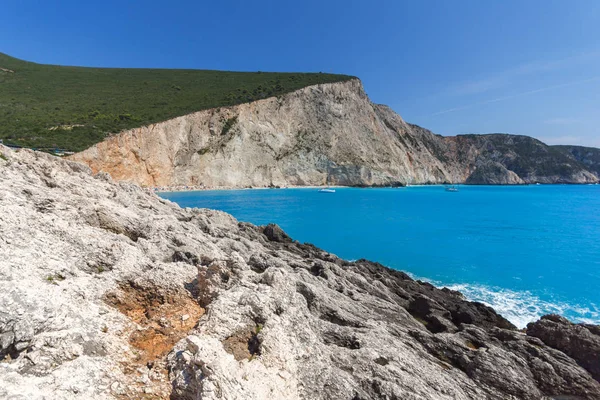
(42, 106)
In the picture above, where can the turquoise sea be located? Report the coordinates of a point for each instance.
(524, 250)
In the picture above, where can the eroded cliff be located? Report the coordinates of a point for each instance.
(324, 134)
(328, 134)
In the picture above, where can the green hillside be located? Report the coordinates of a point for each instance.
(48, 106)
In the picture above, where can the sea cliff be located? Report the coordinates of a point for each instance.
(327, 134)
(109, 291)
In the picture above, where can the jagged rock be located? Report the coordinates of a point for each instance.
(95, 290)
(579, 341)
(433, 314)
(275, 234)
(452, 303)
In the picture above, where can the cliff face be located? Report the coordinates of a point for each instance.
(108, 291)
(512, 159)
(586, 156)
(328, 134)
(319, 135)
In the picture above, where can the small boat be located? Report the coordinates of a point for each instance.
(451, 188)
(327, 190)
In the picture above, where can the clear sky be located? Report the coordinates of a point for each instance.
(527, 67)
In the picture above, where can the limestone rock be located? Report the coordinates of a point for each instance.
(108, 291)
(329, 134)
(493, 173)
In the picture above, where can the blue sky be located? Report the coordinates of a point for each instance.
(525, 67)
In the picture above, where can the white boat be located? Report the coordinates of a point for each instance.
(327, 190)
(451, 188)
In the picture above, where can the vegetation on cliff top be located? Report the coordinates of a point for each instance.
(72, 108)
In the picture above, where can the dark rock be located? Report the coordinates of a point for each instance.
(258, 263)
(186, 257)
(275, 234)
(422, 306)
(341, 339)
(448, 304)
(509, 362)
(435, 316)
(318, 270)
(438, 324)
(578, 341)
(472, 312)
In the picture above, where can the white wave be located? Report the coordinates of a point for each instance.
(521, 308)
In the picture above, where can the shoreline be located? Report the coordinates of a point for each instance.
(175, 189)
(190, 188)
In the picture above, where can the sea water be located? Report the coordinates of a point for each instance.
(524, 250)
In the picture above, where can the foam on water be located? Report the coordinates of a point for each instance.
(521, 308)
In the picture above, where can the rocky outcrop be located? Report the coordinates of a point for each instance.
(579, 341)
(493, 173)
(111, 292)
(329, 134)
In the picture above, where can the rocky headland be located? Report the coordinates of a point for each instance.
(326, 134)
(110, 292)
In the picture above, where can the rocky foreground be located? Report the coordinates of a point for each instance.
(107, 291)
